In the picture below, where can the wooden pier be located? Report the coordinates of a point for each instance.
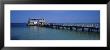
(82, 27)
(73, 27)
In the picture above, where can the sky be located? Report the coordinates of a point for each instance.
(56, 16)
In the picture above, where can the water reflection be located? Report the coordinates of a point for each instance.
(36, 28)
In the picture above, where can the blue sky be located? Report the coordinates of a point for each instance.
(56, 16)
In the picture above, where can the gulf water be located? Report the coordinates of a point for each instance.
(20, 31)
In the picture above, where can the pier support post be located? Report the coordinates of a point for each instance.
(76, 28)
(82, 28)
(71, 28)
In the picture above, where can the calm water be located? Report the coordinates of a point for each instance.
(19, 31)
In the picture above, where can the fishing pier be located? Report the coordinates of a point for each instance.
(75, 27)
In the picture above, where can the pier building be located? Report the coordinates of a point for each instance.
(36, 22)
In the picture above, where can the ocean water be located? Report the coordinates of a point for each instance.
(20, 31)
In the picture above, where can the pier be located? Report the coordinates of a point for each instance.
(75, 27)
